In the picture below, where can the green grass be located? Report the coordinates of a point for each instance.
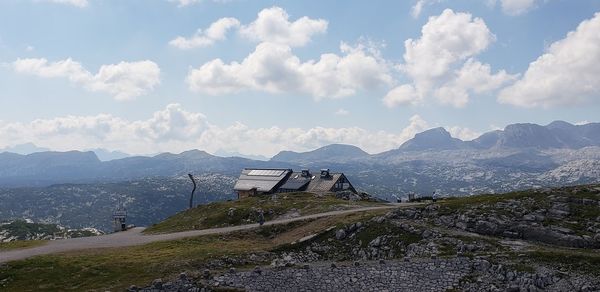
(582, 192)
(459, 203)
(587, 262)
(217, 214)
(522, 267)
(115, 269)
(21, 244)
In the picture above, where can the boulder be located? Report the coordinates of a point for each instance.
(375, 242)
(486, 227)
(157, 284)
(340, 234)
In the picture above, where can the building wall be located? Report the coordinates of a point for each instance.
(343, 184)
(245, 194)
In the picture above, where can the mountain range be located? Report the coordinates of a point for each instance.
(528, 147)
(61, 187)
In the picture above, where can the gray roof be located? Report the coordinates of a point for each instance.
(295, 182)
(323, 184)
(263, 180)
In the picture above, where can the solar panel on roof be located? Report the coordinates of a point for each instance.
(266, 172)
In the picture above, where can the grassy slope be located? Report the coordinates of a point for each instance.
(115, 269)
(21, 244)
(216, 214)
(118, 268)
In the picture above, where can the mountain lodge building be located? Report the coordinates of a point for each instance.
(269, 181)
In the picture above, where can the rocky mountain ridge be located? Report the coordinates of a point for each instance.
(29, 230)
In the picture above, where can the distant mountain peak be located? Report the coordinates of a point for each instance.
(437, 132)
(330, 153)
(189, 154)
(433, 139)
(24, 149)
(560, 125)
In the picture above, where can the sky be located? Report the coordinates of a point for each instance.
(258, 77)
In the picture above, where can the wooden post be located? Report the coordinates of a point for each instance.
(193, 190)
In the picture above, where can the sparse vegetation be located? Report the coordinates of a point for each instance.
(19, 244)
(578, 260)
(245, 211)
(409, 232)
(117, 268)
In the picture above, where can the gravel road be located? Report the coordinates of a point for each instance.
(135, 237)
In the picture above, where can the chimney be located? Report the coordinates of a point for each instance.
(305, 173)
(324, 172)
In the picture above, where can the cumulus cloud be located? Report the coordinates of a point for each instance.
(217, 31)
(273, 68)
(515, 7)
(77, 3)
(567, 74)
(473, 77)
(401, 95)
(273, 25)
(462, 133)
(124, 81)
(442, 61)
(445, 39)
(175, 129)
(416, 9)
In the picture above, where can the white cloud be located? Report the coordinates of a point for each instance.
(175, 129)
(274, 68)
(182, 3)
(448, 41)
(515, 7)
(473, 77)
(567, 74)
(416, 10)
(30, 48)
(464, 134)
(77, 3)
(217, 31)
(273, 25)
(402, 95)
(445, 39)
(341, 112)
(124, 81)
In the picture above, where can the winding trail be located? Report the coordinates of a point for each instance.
(135, 237)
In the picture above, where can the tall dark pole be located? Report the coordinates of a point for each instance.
(192, 195)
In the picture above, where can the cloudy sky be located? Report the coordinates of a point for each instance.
(257, 77)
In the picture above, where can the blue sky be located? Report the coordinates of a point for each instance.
(80, 74)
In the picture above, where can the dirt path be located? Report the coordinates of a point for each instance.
(135, 237)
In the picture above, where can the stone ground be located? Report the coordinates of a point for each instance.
(429, 275)
(409, 274)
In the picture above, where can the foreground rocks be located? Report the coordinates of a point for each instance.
(428, 275)
(459, 273)
(519, 243)
(568, 217)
